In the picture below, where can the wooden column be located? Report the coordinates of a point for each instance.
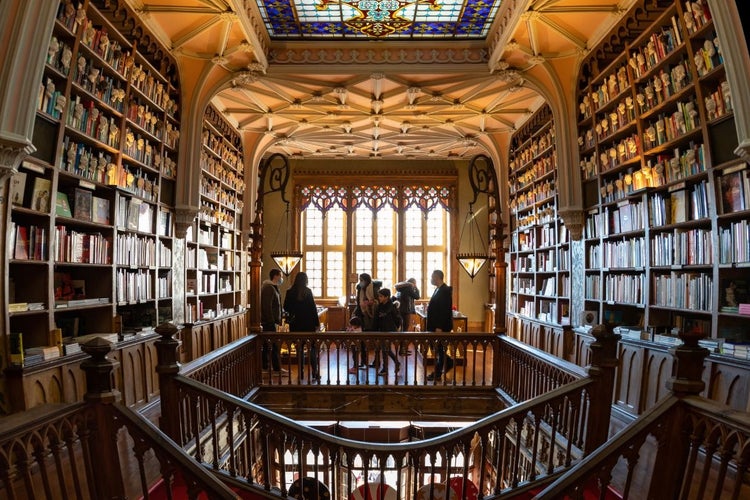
(168, 367)
(101, 395)
(674, 444)
(602, 370)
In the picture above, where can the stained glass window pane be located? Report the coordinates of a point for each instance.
(379, 19)
(314, 269)
(413, 227)
(385, 227)
(334, 274)
(363, 263)
(435, 232)
(335, 227)
(313, 227)
(363, 226)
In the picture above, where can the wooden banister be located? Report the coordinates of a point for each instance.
(701, 449)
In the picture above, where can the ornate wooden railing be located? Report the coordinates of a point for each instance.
(204, 409)
(485, 361)
(95, 449)
(702, 448)
(266, 451)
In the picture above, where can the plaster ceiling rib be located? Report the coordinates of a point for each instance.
(577, 9)
(270, 89)
(194, 32)
(176, 9)
(244, 104)
(219, 4)
(572, 37)
(250, 120)
(531, 29)
(262, 107)
(224, 38)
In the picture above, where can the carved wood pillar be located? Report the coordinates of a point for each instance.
(168, 367)
(734, 48)
(101, 395)
(602, 370)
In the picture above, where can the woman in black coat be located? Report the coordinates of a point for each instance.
(303, 317)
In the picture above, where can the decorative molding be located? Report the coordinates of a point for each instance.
(574, 219)
(11, 155)
(405, 55)
(184, 218)
(377, 172)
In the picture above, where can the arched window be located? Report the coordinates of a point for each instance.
(390, 232)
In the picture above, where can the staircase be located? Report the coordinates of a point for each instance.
(219, 445)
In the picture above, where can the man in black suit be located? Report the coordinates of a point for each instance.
(440, 319)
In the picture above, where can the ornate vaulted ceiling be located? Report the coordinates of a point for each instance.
(333, 87)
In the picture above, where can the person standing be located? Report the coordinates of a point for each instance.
(407, 293)
(440, 319)
(387, 319)
(270, 317)
(366, 301)
(303, 317)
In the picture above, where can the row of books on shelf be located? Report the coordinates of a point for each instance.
(86, 207)
(134, 214)
(27, 242)
(62, 304)
(734, 185)
(58, 345)
(37, 199)
(25, 306)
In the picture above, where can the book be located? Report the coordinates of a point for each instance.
(79, 289)
(62, 205)
(16, 348)
(678, 202)
(63, 286)
(145, 216)
(732, 192)
(17, 188)
(40, 194)
(68, 326)
(134, 206)
(82, 204)
(55, 339)
(21, 248)
(100, 210)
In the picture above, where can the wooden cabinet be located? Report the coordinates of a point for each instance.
(666, 234)
(539, 256)
(63, 381)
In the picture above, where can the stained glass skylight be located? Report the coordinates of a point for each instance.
(379, 19)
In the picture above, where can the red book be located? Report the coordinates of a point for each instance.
(22, 243)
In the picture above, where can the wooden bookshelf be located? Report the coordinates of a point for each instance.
(93, 207)
(215, 264)
(539, 253)
(663, 245)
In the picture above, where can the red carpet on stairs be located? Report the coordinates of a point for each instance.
(179, 491)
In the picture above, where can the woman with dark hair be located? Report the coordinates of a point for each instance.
(366, 302)
(303, 317)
